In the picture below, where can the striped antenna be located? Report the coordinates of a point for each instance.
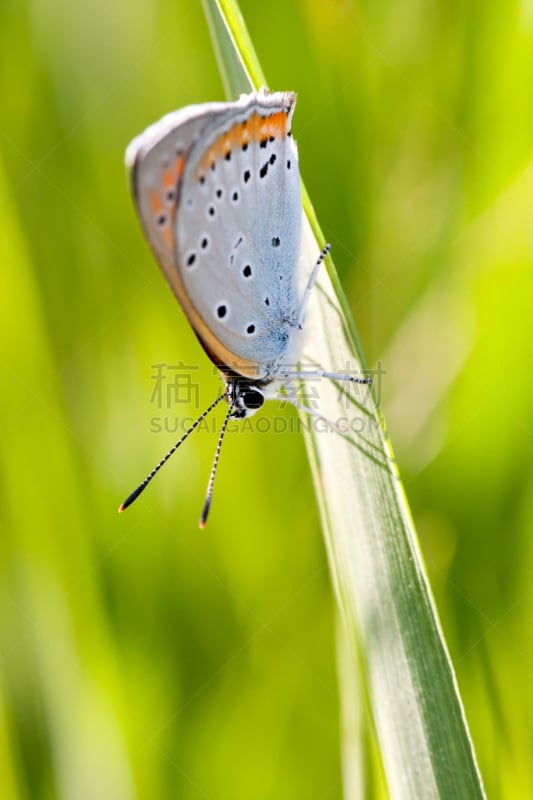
(209, 493)
(142, 486)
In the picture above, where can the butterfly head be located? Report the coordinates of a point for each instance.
(244, 397)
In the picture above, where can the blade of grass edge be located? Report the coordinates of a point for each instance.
(394, 659)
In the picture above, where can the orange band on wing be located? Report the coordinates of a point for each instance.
(156, 202)
(167, 234)
(255, 128)
(172, 173)
(169, 180)
(162, 218)
(179, 165)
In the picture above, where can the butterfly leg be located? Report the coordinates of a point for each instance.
(310, 283)
(320, 373)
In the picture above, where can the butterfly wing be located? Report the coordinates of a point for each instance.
(218, 192)
(156, 159)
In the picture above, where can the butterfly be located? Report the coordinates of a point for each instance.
(217, 190)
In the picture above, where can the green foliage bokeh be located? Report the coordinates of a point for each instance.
(139, 657)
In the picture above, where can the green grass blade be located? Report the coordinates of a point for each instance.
(237, 60)
(394, 659)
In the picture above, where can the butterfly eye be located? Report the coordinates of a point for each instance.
(252, 399)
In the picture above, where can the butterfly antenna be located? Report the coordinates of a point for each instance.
(209, 493)
(142, 486)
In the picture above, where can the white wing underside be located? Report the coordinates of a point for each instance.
(230, 239)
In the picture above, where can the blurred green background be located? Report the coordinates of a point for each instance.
(139, 657)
